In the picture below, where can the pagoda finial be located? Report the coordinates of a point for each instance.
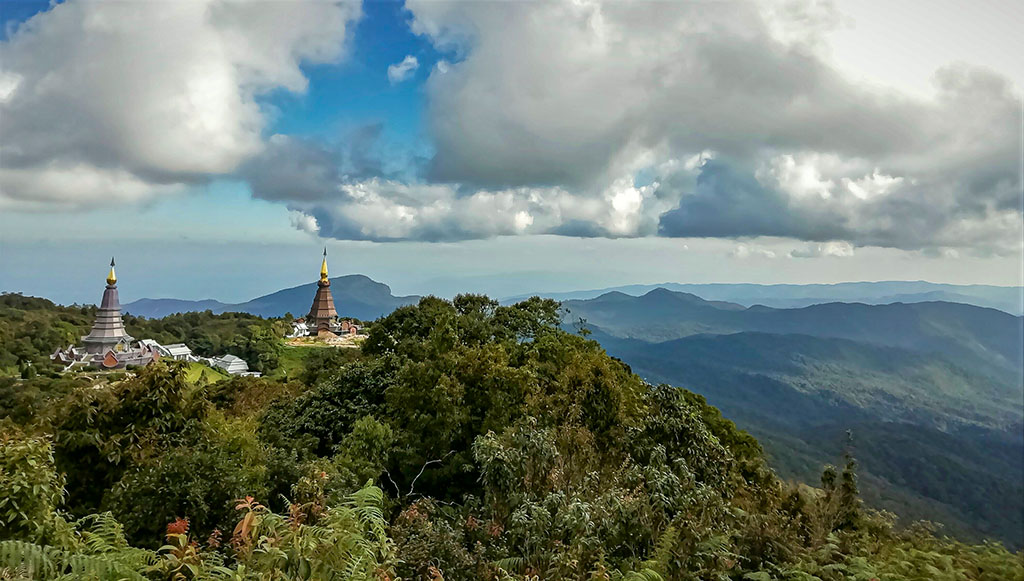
(323, 267)
(111, 277)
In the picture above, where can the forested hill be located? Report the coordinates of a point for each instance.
(930, 391)
(355, 295)
(465, 441)
(972, 334)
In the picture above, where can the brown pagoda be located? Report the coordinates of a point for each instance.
(108, 333)
(322, 315)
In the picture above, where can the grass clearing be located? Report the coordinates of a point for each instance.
(194, 371)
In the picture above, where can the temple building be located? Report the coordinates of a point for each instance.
(322, 320)
(108, 345)
(322, 315)
(108, 332)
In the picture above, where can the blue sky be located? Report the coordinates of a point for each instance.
(534, 146)
(343, 98)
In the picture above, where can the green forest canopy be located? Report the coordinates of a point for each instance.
(467, 440)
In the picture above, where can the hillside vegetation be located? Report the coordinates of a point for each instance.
(32, 328)
(467, 441)
(930, 392)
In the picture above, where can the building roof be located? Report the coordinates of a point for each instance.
(322, 313)
(108, 328)
(178, 349)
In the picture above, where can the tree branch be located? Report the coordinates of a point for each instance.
(412, 486)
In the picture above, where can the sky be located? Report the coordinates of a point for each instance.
(215, 147)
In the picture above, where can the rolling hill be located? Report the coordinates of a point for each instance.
(968, 334)
(929, 391)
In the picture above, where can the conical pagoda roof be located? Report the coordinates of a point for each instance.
(108, 329)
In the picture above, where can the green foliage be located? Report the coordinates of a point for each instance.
(346, 541)
(151, 448)
(317, 421)
(24, 400)
(208, 334)
(32, 490)
(199, 479)
(32, 328)
(467, 441)
(246, 395)
(319, 363)
(261, 347)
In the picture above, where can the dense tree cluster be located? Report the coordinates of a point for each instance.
(467, 440)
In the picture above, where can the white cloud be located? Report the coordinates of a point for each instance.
(590, 118)
(743, 251)
(135, 97)
(591, 91)
(399, 72)
(835, 248)
(799, 179)
(42, 187)
(304, 223)
(383, 209)
(873, 185)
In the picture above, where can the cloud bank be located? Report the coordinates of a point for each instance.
(586, 93)
(689, 119)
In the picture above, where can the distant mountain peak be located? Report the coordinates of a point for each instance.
(356, 295)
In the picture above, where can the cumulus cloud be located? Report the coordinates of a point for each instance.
(401, 71)
(383, 209)
(115, 101)
(305, 223)
(581, 94)
(590, 118)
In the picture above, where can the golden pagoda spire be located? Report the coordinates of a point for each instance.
(323, 267)
(111, 277)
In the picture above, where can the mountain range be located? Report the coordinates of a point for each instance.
(928, 391)
(963, 332)
(370, 299)
(788, 296)
(355, 295)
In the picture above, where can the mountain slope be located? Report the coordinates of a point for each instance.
(931, 392)
(881, 383)
(355, 296)
(935, 441)
(968, 334)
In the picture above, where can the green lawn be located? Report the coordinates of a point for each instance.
(196, 370)
(290, 365)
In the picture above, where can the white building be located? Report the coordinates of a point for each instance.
(299, 329)
(232, 364)
(178, 352)
(175, 351)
